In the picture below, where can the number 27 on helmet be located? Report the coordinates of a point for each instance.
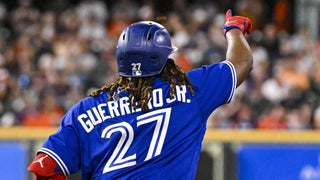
(143, 49)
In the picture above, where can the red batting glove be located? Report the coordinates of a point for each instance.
(239, 22)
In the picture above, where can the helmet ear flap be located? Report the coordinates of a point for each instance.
(143, 47)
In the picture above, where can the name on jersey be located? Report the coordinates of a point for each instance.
(105, 111)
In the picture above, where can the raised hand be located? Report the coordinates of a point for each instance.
(239, 22)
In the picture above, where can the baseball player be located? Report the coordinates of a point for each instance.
(150, 122)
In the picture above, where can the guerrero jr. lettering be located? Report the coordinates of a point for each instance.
(98, 114)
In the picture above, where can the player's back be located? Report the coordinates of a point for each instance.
(112, 140)
(125, 143)
(162, 143)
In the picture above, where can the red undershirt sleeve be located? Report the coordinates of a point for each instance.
(44, 168)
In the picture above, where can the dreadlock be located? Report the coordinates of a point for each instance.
(139, 89)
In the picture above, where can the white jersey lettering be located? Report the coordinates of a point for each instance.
(104, 111)
(85, 122)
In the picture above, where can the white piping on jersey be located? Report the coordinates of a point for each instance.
(234, 78)
(56, 157)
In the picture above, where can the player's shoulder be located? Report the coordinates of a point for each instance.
(212, 74)
(223, 66)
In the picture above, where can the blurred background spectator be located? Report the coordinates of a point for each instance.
(53, 53)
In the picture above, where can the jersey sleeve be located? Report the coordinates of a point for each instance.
(215, 84)
(63, 146)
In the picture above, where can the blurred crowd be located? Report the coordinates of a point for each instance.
(53, 53)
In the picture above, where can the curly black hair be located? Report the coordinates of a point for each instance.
(139, 88)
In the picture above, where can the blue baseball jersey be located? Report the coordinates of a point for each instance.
(111, 140)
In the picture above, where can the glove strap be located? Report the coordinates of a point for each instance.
(228, 28)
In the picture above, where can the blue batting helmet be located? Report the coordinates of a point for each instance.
(143, 49)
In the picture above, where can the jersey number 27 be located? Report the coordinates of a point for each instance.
(117, 160)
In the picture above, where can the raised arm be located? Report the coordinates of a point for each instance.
(238, 51)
